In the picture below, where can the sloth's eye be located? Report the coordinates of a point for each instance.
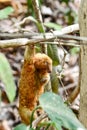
(46, 63)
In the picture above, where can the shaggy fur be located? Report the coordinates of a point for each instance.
(34, 76)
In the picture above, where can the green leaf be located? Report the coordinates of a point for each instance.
(32, 19)
(39, 25)
(66, 1)
(32, 129)
(7, 78)
(54, 81)
(4, 13)
(53, 53)
(21, 127)
(53, 25)
(74, 50)
(59, 113)
(29, 4)
(24, 127)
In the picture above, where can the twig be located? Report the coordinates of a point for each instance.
(13, 42)
(74, 94)
(17, 35)
(38, 15)
(39, 38)
(40, 25)
(39, 119)
(66, 93)
(67, 30)
(33, 35)
(26, 41)
(70, 86)
(63, 42)
(9, 105)
(29, 18)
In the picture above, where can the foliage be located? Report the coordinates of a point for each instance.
(30, 6)
(7, 78)
(51, 49)
(66, 1)
(53, 53)
(20, 127)
(74, 50)
(53, 25)
(54, 81)
(4, 13)
(59, 113)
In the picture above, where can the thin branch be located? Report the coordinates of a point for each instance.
(18, 35)
(38, 120)
(38, 15)
(38, 38)
(9, 105)
(29, 18)
(33, 35)
(13, 42)
(26, 41)
(63, 42)
(74, 94)
(40, 22)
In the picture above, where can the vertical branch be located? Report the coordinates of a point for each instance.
(83, 64)
(38, 13)
(40, 25)
(29, 52)
(41, 30)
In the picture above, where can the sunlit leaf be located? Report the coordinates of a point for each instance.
(53, 25)
(21, 127)
(59, 113)
(32, 19)
(7, 78)
(54, 80)
(53, 53)
(66, 1)
(74, 50)
(4, 13)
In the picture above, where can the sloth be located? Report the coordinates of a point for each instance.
(34, 77)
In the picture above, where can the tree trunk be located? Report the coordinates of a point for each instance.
(83, 63)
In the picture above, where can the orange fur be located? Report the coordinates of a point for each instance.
(34, 76)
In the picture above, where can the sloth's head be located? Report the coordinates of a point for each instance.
(43, 62)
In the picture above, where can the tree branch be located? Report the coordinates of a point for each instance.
(66, 30)
(38, 38)
(40, 22)
(26, 41)
(38, 120)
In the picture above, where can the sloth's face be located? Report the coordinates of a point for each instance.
(43, 62)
